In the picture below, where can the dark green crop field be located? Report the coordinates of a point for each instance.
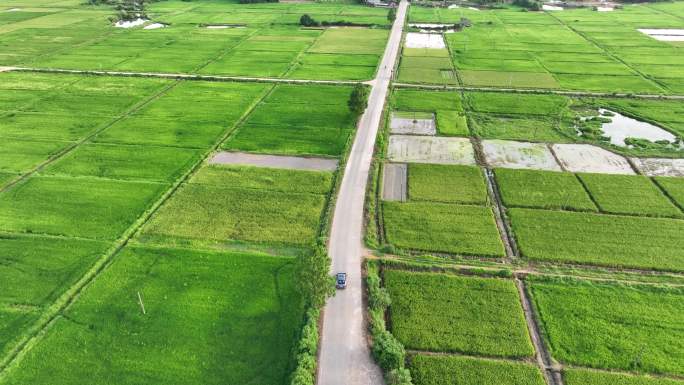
(91, 162)
(607, 240)
(542, 189)
(449, 313)
(210, 318)
(612, 326)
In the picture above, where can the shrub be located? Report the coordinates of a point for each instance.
(400, 376)
(388, 351)
(307, 21)
(358, 99)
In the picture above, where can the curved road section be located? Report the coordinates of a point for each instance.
(344, 356)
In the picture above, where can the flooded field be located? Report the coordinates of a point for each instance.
(588, 158)
(413, 123)
(512, 154)
(664, 34)
(430, 149)
(660, 167)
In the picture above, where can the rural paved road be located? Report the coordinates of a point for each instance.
(344, 356)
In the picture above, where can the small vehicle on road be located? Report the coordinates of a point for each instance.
(341, 280)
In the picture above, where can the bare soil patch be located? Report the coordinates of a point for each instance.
(394, 179)
(660, 167)
(431, 149)
(512, 154)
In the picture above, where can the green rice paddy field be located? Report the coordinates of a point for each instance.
(263, 40)
(174, 270)
(576, 49)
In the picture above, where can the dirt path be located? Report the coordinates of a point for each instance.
(215, 78)
(274, 161)
(540, 91)
(551, 373)
(344, 353)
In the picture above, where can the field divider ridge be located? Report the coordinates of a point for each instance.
(550, 371)
(54, 311)
(542, 91)
(189, 76)
(74, 145)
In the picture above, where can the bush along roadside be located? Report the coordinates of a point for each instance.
(388, 352)
(315, 285)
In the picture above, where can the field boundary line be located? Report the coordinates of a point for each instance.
(186, 76)
(541, 91)
(225, 51)
(74, 145)
(498, 208)
(610, 54)
(54, 311)
(667, 194)
(550, 371)
(528, 360)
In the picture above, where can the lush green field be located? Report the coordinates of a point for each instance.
(442, 227)
(462, 370)
(228, 204)
(292, 119)
(577, 49)
(268, 43)
(450, 313)
(590, 377)
(609, 240)
(612, 326)
(446, 183)
(674, 187)
(35, 270)
(446, 105)
(629, 194)
(542, 189)
(80, 207)
(210, 318)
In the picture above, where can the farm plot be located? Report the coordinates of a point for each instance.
(300, 120)
(35, 270)
(447, 184)
(519, 155)
(612, 326)
(629, 194)
(266, 44)
(80, 207)
(591, 377)
(542, 189)
(446, 105)
(606, 240)
(674, 188)
(441, 227)
(495, 115)
(462, 370)
(191, 115)
(223, 205)
(450, 313)
(660, 167)
(429, 149)
(44, 114)
(243, 310)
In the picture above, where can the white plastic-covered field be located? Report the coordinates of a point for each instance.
(424, 40)
(660, 167)
(664, 34)
(512, 154)
(430, 149)
(588, 158)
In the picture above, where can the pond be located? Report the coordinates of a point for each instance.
(622, 127)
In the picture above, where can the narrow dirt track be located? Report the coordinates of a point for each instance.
(344, 355)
